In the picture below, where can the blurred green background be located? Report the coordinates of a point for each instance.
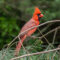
(15, 13)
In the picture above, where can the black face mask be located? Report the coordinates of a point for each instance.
(38, 16)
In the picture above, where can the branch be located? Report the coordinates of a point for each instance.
(34, 27)
(53, 21)
(38, 53)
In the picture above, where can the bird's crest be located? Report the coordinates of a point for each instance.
(37, 11)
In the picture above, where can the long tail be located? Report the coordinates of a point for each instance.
(18, 47)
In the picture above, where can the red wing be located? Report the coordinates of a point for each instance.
(28, 25)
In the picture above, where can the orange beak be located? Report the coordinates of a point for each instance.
(41, 15)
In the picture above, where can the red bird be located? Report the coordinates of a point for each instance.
(34, 21)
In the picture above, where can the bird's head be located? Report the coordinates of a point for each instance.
(37, 14)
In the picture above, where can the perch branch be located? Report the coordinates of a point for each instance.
(38, 53)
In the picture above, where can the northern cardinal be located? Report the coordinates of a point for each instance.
(34, 21)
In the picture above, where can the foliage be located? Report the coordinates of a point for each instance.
(47, 56)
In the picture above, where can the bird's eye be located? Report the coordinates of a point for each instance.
(38, 14)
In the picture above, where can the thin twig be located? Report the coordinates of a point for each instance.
(38, 53)
(46, 27)
(54, 35)
(43, 36)
(49, 32)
